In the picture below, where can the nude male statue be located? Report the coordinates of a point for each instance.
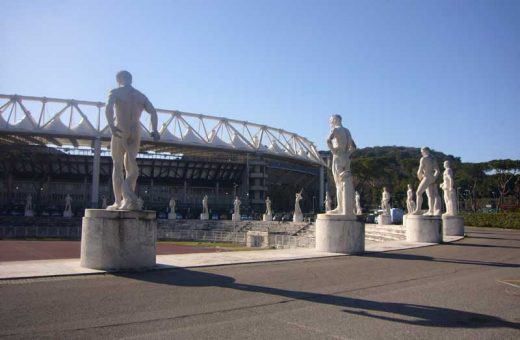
(236, 205)
(427, 173)
(410, 203)
(298, 198)
(128, 104)
(268, 209)
(385, 202)
(450, 195)
(342, 146)
(205, 209)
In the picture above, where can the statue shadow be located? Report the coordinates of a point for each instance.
(404, 313)
(400, 256)
(481, 245)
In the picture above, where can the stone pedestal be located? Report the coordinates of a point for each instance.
(340, 234)
(235, 217)
(172, 216)
(257, 239)
(297, 218)
(452, 225)
(267, 217)
(28, 213)
(404, 220)
(204, 216)
(118, 239)
(384, 219)
(68, 214)
(421, 228)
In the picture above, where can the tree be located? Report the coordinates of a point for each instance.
(503, 171)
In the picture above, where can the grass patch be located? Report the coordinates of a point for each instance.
(221, 245)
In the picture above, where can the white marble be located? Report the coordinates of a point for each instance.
(385, 202)
(236, 208)
(452, 225)
(235, 217)
(328, 202)
(423, 228)
(116, 240)
(127, 103)
(359, 211)
(428, 173)
(450, 194)
(172, 215)
(410, 202)
(298, 215)
(267, 217)
(339, 234)
(205, 210)
(268, 208)
(384, 219)
(341, 145)
(204, 216)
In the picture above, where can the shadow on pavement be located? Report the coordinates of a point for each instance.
(411, 314)
(399, 256)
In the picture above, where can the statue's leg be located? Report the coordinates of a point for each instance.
(132, 172)
(437, 206)
(419, 195)
(431, 199)
(447, 202)
(118, 152)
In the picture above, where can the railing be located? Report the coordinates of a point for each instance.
(82, 121)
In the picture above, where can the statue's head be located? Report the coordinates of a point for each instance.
(446, 164)
(335, 120)
(124, 78)
(409, 186)
(425, 151)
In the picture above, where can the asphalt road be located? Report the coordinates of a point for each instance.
(466, 290)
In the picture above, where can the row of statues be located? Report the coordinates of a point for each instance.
(123, 111)
(342, 146)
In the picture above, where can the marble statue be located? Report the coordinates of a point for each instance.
(268, 209)
(104, 202)
(67, 212)
(172, 215)
(410, 203)
(450, 195)
(359, 211)
(128, 104)
(342, 146)
(28, 203)
(427, 173)
(205, 209)
(236, 205)
(297, 209)
(298, 215)
(385, 202)
(171, 204)
(140, 203)
(328, 202)
(28, 206)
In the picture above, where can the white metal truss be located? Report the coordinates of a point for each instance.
(80, 122)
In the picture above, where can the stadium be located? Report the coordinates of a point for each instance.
(52, 147)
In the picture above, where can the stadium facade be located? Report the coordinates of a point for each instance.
(52, 147)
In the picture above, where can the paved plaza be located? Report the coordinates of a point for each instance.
(467, 289)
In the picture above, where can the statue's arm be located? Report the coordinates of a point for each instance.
(148, 107)
(109, 113)
(421, 169)
(330, 138)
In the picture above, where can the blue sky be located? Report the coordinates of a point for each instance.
(445, 74)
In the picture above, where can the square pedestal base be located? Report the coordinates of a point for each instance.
(340, 234)
(267, 217)
(204, 216)
(421, 228)
(118, 239)
(235, 217)
(297, 218)
(384, 219)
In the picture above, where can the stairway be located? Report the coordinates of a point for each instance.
(390, 232)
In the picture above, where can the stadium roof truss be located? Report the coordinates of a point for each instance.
(59, 122)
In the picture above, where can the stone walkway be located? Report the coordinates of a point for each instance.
(50, 268)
